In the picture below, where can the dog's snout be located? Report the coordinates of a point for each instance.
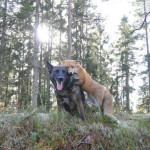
(60, 78)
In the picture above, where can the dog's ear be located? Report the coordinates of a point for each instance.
(49, 66)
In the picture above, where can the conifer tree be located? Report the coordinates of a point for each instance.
(126, 52)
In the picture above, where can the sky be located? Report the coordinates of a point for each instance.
(113, 11)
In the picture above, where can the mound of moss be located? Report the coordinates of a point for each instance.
(65, 132)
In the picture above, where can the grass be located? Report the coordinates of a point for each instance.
(66, 132)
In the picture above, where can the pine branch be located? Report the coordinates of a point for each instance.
(141, 24)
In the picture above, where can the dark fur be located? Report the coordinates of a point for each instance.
(68, 94)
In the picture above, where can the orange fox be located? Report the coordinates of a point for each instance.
(97, 91)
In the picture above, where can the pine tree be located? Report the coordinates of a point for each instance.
(3, 41)
(125, 52)
(143, 8)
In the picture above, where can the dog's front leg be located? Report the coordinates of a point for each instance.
(81, 111)
(59, 104)
(80, 108)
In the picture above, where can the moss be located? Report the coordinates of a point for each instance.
(50, 131)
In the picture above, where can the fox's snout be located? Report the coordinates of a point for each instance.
(72, 71)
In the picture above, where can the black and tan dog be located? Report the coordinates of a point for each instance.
(68, 94)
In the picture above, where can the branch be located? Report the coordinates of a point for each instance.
(141, 24)
(81, 141)
(28, 116)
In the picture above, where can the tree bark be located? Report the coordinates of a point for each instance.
(127, 82)
(35, 59)
(148, 59)
(40, 75)
(48, 58)
(3, 42)
(69, 31)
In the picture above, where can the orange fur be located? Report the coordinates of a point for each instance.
(98, 91)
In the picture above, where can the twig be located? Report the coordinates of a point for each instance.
(28, 116)
(81, 141)
(4, 122)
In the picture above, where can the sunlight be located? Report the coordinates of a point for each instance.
(43, 33)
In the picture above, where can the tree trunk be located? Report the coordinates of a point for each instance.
(40, 76)
(29, 70)
(117, 94)
(69, 31)
(148, 60)
(48, 58)
(35, 59)
(3, 42)
(127, 82)
(60, 41)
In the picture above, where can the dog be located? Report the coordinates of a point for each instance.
(97, 92)
(69, 95)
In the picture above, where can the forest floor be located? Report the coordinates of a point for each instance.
(41, 131)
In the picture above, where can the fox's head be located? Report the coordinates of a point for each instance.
(71, 65)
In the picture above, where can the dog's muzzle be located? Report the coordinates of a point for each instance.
(59, 83)
(60, 78)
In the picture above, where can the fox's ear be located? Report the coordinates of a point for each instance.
(49, 66)
(79, 62)
(60, 61)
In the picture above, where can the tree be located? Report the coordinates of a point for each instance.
(35, 58)
(3, 41)
(144, 91)
(148, 54)
(69, 31)
(125, 46)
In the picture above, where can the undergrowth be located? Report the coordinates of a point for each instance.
(66, 132)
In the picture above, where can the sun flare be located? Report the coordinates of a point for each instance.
(43, 33)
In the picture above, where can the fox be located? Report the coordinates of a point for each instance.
(97, 92)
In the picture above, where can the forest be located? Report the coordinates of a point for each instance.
(35, 31)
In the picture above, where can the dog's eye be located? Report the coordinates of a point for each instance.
(64, 71)
(57, 71)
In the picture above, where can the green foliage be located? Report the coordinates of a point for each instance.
(91, 64)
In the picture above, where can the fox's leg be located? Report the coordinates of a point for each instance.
(108, 106)
(107, 103)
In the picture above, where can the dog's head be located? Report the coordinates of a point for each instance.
(71, 65)
(58, 75)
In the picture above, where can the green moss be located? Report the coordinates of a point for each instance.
(65, 131)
